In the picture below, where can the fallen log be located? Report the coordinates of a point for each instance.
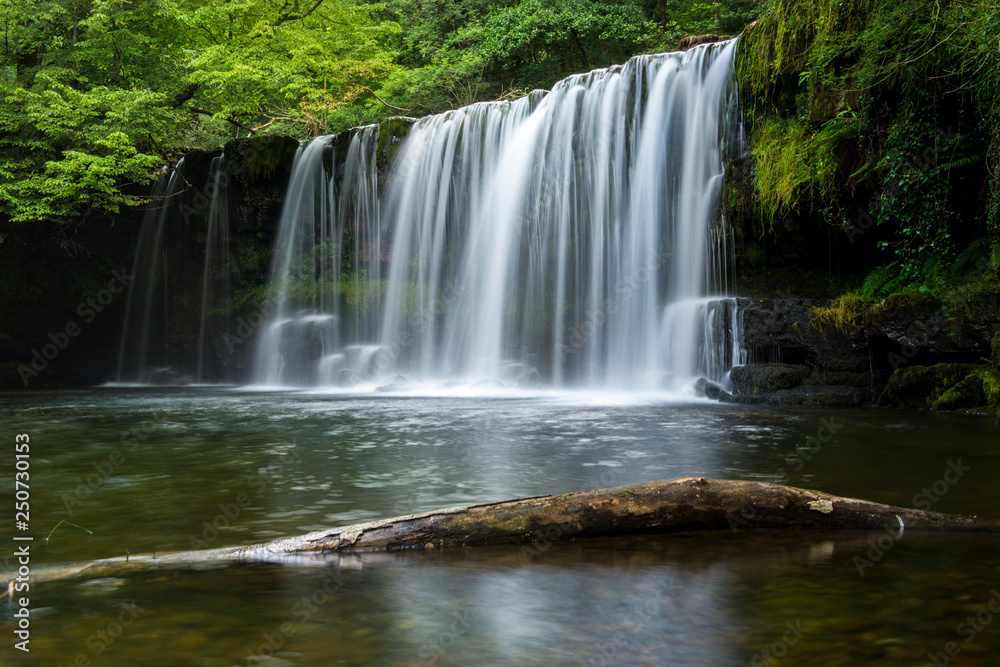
(685, 504)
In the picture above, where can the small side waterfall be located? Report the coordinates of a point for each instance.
(215, 291)
(159, 344)
(145, 310)
(572, 238)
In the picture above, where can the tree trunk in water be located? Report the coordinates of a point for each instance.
(685, 504)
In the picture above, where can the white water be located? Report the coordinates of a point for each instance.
(568, 239)
(215, 289)
(145, 319)
(157, 346)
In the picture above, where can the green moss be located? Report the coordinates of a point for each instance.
(990, 378)
(922, 386)
(848, 311)
(843, 103)
(967, 393)
(797, 163)
(996, 350)
(391, 133)
(946, 386)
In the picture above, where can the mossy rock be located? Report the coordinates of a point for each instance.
(996, 350)
(990, 378)
(261, 158)
(968, 393)
(391, 133)
(756, 379)
(922, 386)
(691, 41)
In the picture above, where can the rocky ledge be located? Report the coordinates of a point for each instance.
(913, 356)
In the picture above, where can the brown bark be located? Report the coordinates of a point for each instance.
(685, 504)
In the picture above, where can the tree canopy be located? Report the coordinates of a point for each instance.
(97, 95)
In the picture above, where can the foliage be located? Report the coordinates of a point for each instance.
(463, 51)
(797, 164)
(889, 107)
(96, 95)
(578, 34)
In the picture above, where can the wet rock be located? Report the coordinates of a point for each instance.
(863, 379)
(781, 330)
(694, 40)
(825, 396)
(996, 350)
(785, 330)
(756, 379)
(711, 390)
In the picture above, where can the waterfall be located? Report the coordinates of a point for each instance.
(145, 320)
(306, 343)
(215, 292)
(571, 238)
(159, 344)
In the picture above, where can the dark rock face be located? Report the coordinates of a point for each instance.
(996, 350)
(781, 330)
(766, 378)
(259, 168)
(824, 396)
(917, 356)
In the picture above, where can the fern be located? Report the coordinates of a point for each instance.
(961, 162)
(881, 280)
(973, 259)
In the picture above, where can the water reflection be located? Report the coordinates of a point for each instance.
(216, 468)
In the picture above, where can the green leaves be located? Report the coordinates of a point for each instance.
(584, 32)
(97, 94)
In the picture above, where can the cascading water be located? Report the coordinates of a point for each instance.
(215, 293)
(571, 238)
(159, 343)
(304, 344)
(145, 319)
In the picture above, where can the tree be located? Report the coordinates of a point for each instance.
(95, 95)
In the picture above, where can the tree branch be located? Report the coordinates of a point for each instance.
(238, 124)
(375, 95)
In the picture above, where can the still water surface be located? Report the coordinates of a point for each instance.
(165, 470)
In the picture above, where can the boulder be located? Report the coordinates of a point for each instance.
(711, 390)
